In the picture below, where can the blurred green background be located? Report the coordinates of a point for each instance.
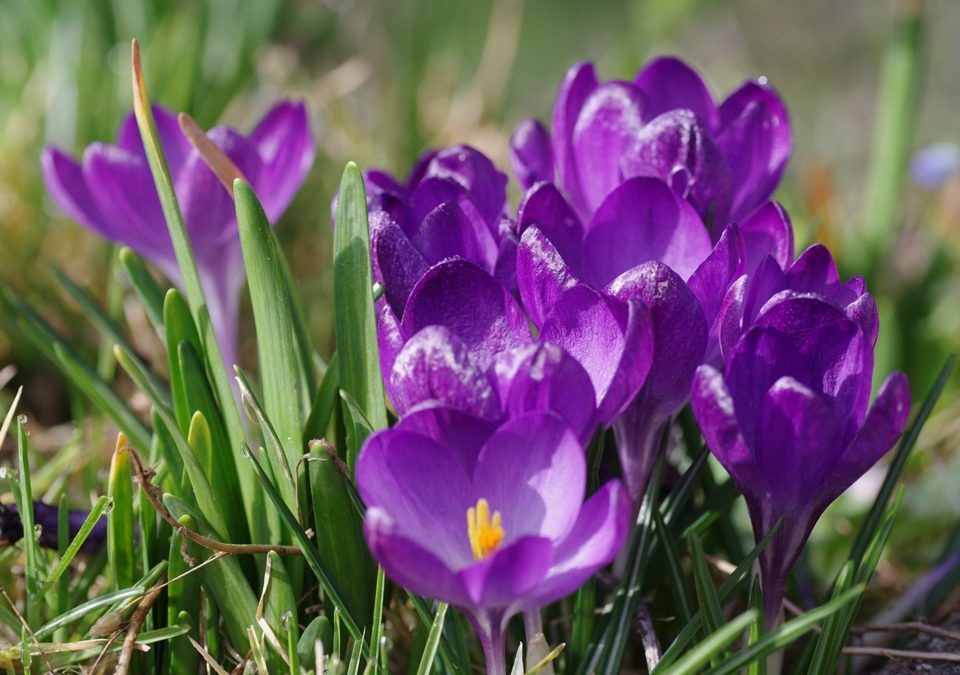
(385, 79)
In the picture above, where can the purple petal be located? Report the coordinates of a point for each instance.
(448, 426)
(767, 231)
(531, 153)
(476, 174)
(798, 442)
(222, 276)
(419, 169)
(397, 264)
(285, 145)
(64, 180)
(713, 408)
(508, 575)
(814, 271)
(881, 429)
(717, 273)
(389, 339)
(755, 138)
(679, 330)
(410, 563)
(542, 274)
(643, 220)
(667, 83)
(122, 188)
(207, 207)
(579, 83)
(544, 207)
(384, 193)
(544, 378)
(390, 476)
(594, 540)
(612, 116)
(505, 268)
(612, 340)
(677, 148)
(435, 365)
(533, 471)
(447, 232)
(464, 298)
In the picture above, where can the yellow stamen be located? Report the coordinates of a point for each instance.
(485, 532)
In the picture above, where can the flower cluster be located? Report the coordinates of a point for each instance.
(644, 262)
(645, 268)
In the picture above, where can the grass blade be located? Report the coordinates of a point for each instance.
(433, 641)
(695, 659)
(31, 546)
(120, 529)
(151, 297)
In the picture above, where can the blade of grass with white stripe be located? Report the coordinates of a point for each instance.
(191, 281)
(355, 326)
(283, 375)
(433, 641)
(694, 660)
(31, 546)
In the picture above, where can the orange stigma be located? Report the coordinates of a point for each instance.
(485, 532)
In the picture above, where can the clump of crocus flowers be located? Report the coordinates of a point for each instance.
(644, 268)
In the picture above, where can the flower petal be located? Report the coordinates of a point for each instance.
(612, 340)
(677, 148)
(175, 145)
(643, 220)
(531, 153)
(412, 564)
(533, 471)
(389, 339)
(285, 146)
(579, 82)
(756, 140)
(464, 298)
(397, 264)
(544, 378)
(544, 207)
(543, 276)
(767, 231)
(476, 174)
(883, 425)
(713, 408)
(612, 116)
(506, 577)
(64, 180)
(667, 83)
(717, 273)
(594, 540)
(390, 474)
(447, 232)
(448, 426)
(435, 365)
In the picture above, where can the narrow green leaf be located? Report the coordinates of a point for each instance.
(224, 580)
(179, 328)
(726, 589)
(354, 319)
(706, 592)
(283, 374)
(706, 650)
(671, 550)
(183, 600)
(324, 402)
(31, 546)
(151, 297)
(787, 633)
(320, 630)
(120, 520)
(71, 551)
(281, 600)
(828, 635)
(433, 641)
(358, 426)
(327, 582)
(338, 530)
(757, 666)
(377, 621)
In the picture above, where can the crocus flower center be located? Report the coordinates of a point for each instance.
(485, 532)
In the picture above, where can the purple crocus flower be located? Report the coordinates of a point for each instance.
(491, 519)
(465, 342)
(111, 191)
(788, 418)
(814, 272)
(646, 243)
(724, 159)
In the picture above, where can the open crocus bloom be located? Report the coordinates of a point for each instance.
(788, 418)
(465, 342)
(644, 243)
(111, 191)
(724, 159)
(491, 519)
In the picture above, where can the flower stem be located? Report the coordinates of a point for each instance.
(492, 643)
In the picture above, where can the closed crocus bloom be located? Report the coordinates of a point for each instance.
(111, 191)
(789, 418)
(643, 243)
(491, 519)
(725, 159)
